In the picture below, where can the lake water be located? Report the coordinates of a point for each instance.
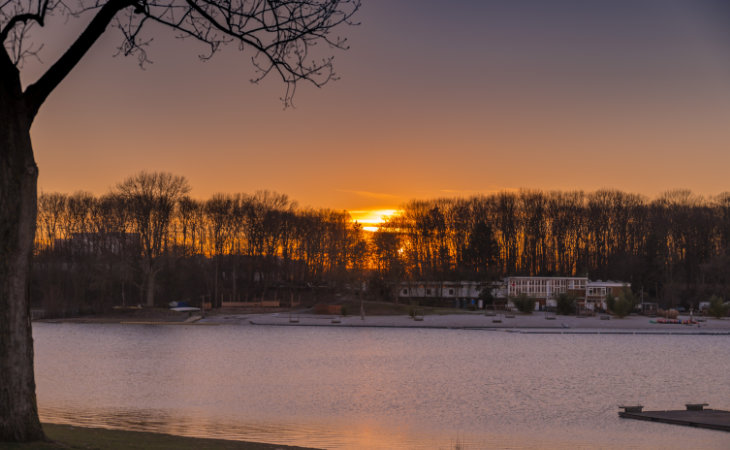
(380, 388)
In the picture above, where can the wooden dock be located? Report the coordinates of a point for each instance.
(694, 416)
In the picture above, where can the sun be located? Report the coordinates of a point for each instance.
(373, 218)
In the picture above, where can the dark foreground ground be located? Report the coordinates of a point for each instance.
(68, 437)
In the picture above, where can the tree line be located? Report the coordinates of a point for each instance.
(148, 242)
(673, 249)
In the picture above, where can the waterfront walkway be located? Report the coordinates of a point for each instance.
(534, 323)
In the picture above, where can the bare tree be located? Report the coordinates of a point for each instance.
(281, 37)
(191, 223)
(151, 199)
(218, 211)
(51, 209)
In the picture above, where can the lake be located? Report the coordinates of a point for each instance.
(379, 388)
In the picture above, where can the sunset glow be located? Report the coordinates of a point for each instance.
(372, 219)
(552, 98)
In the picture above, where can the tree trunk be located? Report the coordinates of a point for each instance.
(18, 203)
(150, 287)
(214, 303)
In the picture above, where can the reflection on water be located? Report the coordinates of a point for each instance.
(330, 434)
(379, 388)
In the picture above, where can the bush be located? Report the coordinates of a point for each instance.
(566, 304)
(669, 314)
(624, 303)
(610, 300)
(523, 303)
(320, 308)
(621, 307)
(413, 309)
(343, 310)
(717, 308)
(486, 295)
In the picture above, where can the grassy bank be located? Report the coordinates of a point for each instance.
(163, 315)
(68, 437)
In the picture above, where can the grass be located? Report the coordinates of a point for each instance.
(69, 437)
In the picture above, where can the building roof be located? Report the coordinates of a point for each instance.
(549, 278)
(608, 283)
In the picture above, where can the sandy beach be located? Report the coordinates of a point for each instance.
(534, 323)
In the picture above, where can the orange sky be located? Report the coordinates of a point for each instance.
(434, 100)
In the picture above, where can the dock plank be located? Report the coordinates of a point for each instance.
(714, 419)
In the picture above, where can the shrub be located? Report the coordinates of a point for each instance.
(621, 307)
(669, 314)
(524, 304)
(566, 304)
(624, 303)
(343, 310)
(610, 300)
(486, 295)
(413, 309)
(320, 308)
(717, 308)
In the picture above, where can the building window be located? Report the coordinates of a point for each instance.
(451, 292)
(405, 291)
(428, 291)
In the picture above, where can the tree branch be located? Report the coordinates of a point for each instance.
(37, 92)
(4, 56)
(16, 20)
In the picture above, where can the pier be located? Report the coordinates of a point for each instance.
(695, 415)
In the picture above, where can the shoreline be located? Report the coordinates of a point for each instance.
(63, 436)
(536, 323)
(519, 330)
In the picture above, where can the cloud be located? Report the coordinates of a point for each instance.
(378, 195)
(474, 192)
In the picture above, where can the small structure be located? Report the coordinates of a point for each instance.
(649, 309)
(632, 408)
(696, 406)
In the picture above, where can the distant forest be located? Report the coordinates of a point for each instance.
(148, 242)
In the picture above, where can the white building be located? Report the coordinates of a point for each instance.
(590, 295)
(546, 289)
(446, 289)
(597, 291)
(450, 292)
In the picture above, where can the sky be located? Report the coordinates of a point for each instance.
(436, 99)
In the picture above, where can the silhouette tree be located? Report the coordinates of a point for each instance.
(190, 222)
(482, 250)
(151, 199)
(219, 212)
(281, 35)
(386, 262)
